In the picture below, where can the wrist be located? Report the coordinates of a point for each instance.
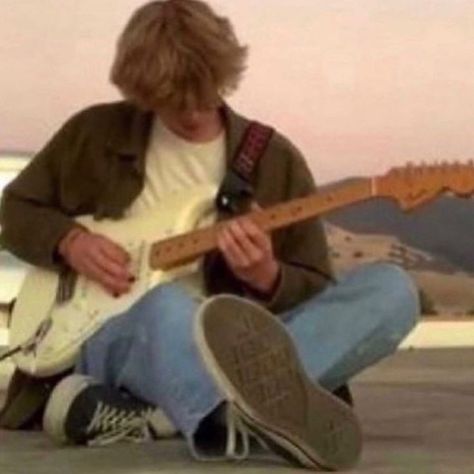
(267, 286)
(66, 242)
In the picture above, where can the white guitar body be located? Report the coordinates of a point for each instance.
(72, 322)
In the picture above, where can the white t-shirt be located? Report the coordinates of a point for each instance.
(174, 164)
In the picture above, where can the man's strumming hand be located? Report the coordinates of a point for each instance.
(98, 258)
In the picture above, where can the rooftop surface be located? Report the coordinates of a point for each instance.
(416, 408)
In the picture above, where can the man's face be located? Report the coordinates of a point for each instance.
(192, 124)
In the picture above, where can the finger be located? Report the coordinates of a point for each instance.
(117, 262)
(232, 251)
(250, 248)
(111, 284)
(255, 206)
(114, 251)
(113, 269)
(258, 237)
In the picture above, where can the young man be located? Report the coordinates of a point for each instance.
(222, 368)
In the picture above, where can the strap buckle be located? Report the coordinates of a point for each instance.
(235, 194)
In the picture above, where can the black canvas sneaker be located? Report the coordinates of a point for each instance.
(254, 362)
(82, 411)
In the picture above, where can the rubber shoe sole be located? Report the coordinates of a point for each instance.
(255, 364)
(59, 404)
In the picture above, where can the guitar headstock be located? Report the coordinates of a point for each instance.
(414, 185)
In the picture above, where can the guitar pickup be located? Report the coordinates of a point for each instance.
(66, 285)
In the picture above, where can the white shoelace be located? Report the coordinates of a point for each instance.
(115, 424)
(236, 429)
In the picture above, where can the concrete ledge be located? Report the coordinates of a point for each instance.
(428, 334)
(441, 334)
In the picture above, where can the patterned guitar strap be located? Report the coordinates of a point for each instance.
(236, 189)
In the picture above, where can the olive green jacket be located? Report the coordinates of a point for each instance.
(95, 165)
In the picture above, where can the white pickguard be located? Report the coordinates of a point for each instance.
(74, 321)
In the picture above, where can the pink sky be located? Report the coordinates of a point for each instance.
(359, 85)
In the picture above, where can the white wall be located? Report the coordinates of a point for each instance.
(12, 270)
(359, 85)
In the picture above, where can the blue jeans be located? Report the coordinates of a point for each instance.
(150, 349)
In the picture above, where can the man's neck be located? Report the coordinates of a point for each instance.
(205, 132)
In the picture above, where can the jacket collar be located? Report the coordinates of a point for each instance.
(132, 129)
(235, 126)
(129, 134)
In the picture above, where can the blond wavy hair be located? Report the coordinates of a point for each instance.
(178, 54)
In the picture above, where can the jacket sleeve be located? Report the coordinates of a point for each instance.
(303, 255)
(32, 223)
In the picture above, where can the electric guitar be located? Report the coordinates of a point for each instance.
(55, 314)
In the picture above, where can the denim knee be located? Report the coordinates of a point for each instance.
(167, 299)
(165, 310)
(399, 293)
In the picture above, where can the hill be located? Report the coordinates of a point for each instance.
(444, 228)
(448, 290)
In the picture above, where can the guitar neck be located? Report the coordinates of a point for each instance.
(187, 247)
